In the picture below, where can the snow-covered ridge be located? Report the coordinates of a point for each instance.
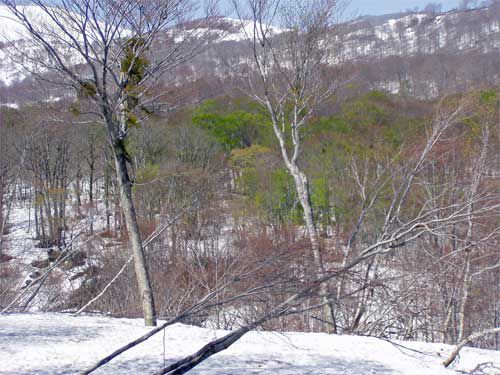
(221, 29)
(16, 46)
(15, 39)
(421, 33)
(239, 30)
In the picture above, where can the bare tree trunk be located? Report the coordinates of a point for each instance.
(91, 196)
(302, 186)
(106, 196)
(120, 67)
(446, 325)
(465, 296)
(141, 271)
(78, 192)
(2, 190)
(467, 280)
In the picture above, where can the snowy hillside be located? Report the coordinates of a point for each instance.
(18, 54)
(400, 35)
(234, 30)
(421, 33)
(60, 344)
(11, 30)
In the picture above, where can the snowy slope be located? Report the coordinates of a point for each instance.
(420, 33)
(11, 30)
(16, 41)
(15, 45)
(421, 39)
(18, 53)
(28, 260)
(241, 30)
(59, 344)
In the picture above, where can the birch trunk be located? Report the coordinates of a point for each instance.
(302, 186)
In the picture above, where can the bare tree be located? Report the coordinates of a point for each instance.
(287, 78)
(103, 50)
(467, 4)
(433, 8)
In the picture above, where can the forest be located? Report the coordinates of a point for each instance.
(292, 197)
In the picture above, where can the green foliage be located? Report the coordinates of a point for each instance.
(321, 193)
(269, 191)
(371, 125)
(484, 113)
(233, 129)
(247, 157)
(368, 129)
(132, 120)
(489, 96)
(74, 109)
(276, 197)
(147, 173)
(133, 65)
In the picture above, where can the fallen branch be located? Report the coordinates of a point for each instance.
(130, 345)
(187, 363)
(202, 304)
(467, 341)
(192, 310)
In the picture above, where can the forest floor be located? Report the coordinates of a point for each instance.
(51, 343)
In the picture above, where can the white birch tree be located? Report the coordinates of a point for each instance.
(286, 76)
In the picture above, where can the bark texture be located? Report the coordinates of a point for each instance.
(141, 271)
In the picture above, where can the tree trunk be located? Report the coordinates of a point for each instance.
(302, 187)
(106, 197)
(91, 196)
(2, 189)
(130, 217)
(465, 296)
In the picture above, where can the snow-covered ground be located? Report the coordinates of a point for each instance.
(29, 260)
(20, 241)
(60, 344)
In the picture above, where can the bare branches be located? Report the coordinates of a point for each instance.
(115, 42)
(98, 34)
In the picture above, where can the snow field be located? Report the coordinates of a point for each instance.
(58, 344)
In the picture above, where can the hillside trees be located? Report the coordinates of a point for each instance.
(6, 170)
(9, 173)
(49, 164)
(356, 159)
(113, 40)
(401, 219)
(287, 78)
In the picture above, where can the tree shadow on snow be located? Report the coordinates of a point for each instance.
(251, 365)
(47, 334)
